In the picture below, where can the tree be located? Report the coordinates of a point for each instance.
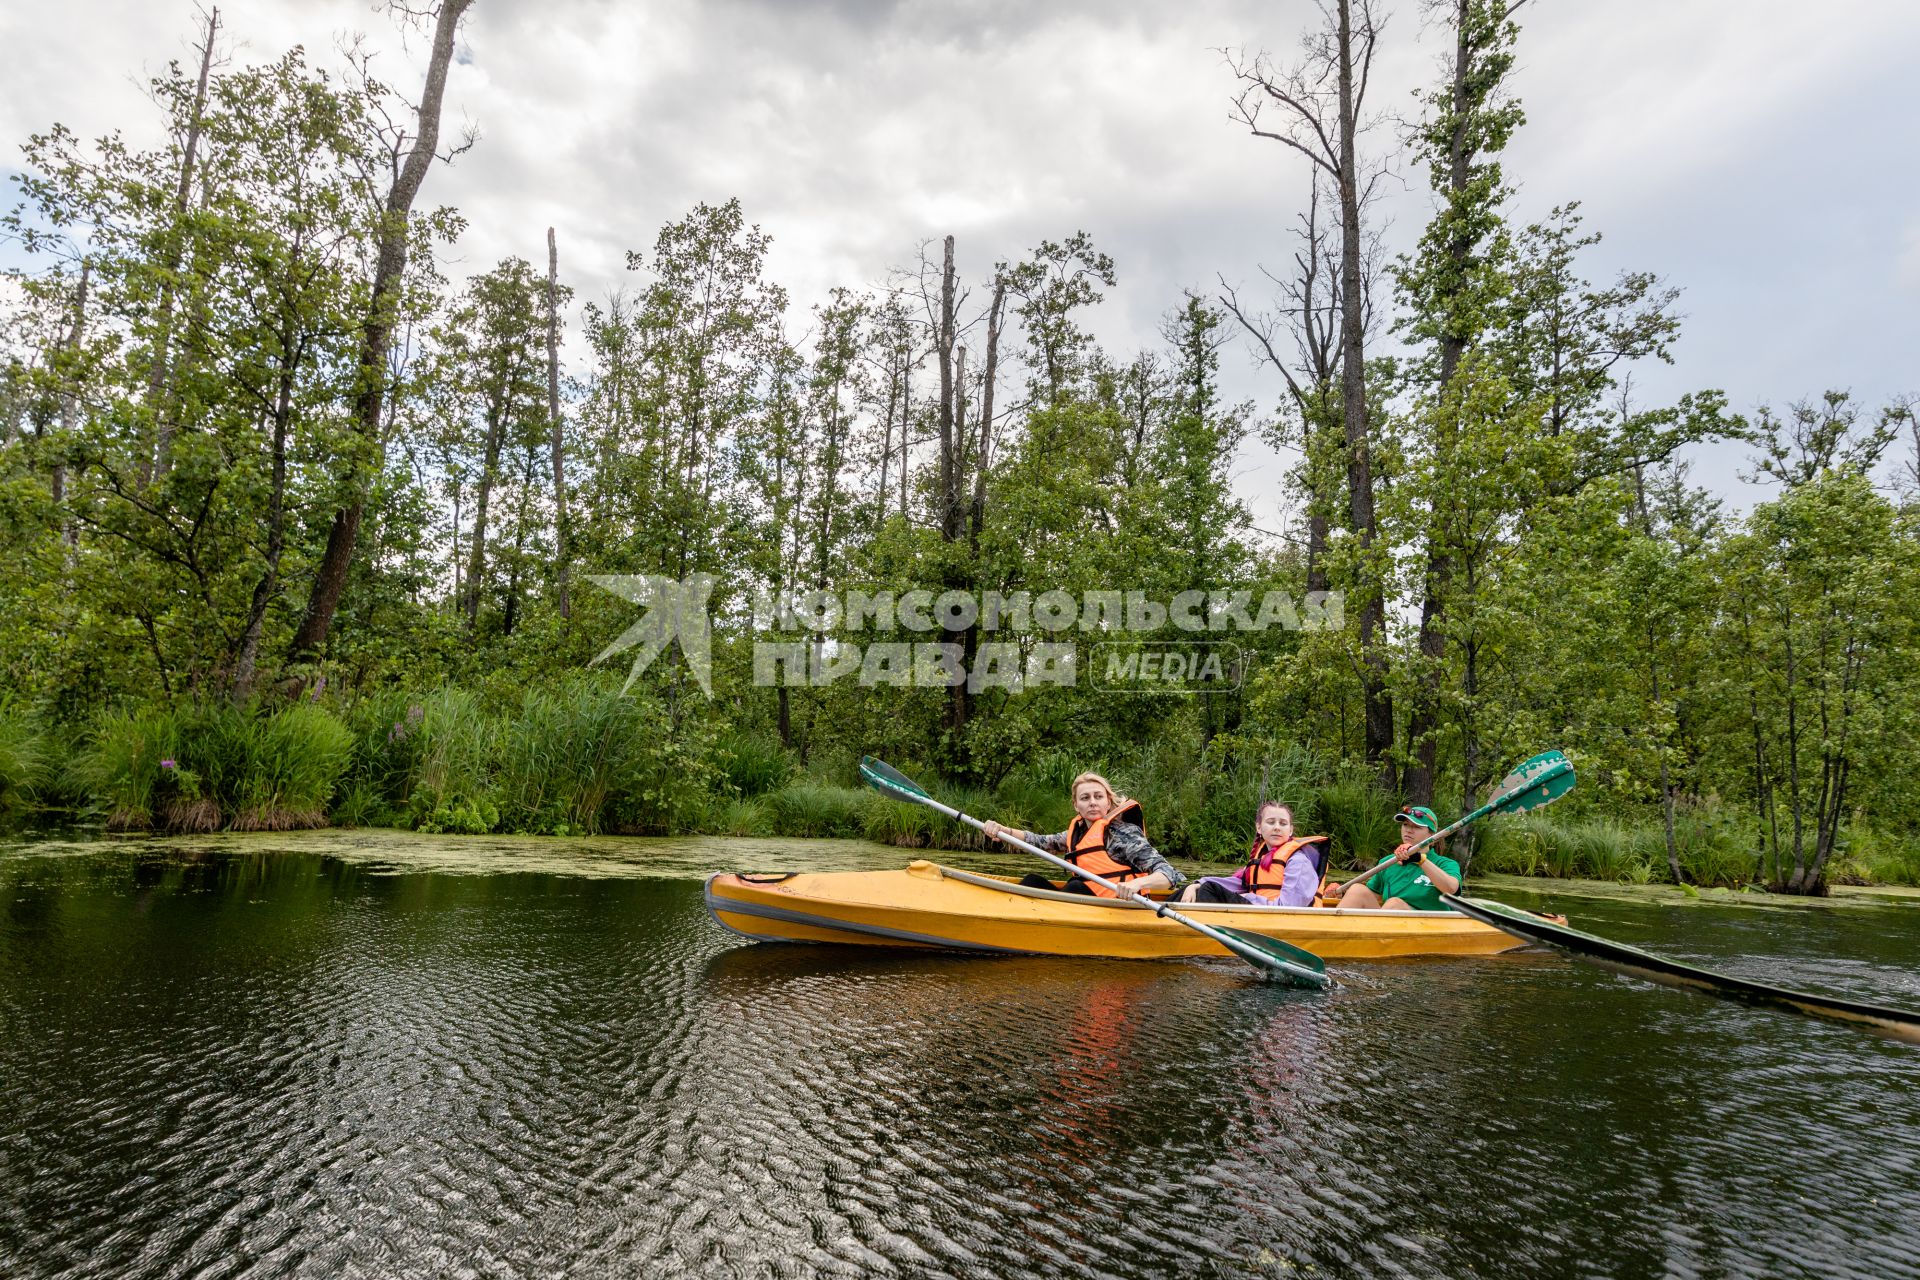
(1321, 104)
(561, 545)
(489, 348)
(1826, 588)
(1452, 286)
(409, 159)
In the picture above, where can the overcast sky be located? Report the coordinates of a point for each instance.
(1758, 154)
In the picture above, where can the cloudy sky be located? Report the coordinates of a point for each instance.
(1759, 154)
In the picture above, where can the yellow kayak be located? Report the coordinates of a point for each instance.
(932, 906)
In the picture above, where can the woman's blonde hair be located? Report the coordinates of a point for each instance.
(1115, 801)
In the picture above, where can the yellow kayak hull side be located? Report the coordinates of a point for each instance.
(929, 906)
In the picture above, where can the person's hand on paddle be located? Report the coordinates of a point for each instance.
(1413, 856)
(994, 831)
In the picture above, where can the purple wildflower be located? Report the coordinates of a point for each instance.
(168, 764)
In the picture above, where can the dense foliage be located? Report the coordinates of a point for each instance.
(178, 429)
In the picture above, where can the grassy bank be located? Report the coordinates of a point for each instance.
(581, 758)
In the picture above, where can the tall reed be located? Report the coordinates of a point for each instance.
(23, 759)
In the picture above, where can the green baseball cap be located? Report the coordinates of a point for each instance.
(1419, 815)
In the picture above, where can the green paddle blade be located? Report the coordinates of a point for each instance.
(1281, 960)
(887, 780)
(1539, 781)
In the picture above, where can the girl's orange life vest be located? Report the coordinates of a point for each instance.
(1266, 870)
(1087, 847)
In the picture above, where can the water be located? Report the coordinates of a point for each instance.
(377, 1055)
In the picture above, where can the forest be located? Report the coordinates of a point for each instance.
(295, 530)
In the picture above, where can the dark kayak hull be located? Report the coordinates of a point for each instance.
(1897, 1023)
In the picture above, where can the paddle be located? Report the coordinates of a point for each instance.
(1618, 956)
(1282, 960)
(1534, 782)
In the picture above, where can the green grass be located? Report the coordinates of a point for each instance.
(449, 787)
(751, 765)
(1358, 814)
(815, 809)
(738, 817)
(585, 757)
(1875, 857)
(121, 761)
(1712, 849)
(296, 757)
(24, 760)
(204, 766)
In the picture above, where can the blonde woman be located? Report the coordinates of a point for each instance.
(1106, 837)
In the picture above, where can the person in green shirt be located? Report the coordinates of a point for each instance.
(1414, 880)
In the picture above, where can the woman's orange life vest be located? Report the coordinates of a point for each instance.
(1264, 874)
(1087, 847)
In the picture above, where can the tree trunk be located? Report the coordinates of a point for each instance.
(943, 342)
(477, 562)
(390, 265)
(959, 701)
(1423, 717)
(1793, 751)
(561, 545)
(886, 450)
(159, 403)
(511, 618)
(977, 511)
(1353, 395)
(906, 427)
(247, 659)
(70, 407)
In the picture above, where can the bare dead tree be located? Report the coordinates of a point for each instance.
(1904, 411)
(390, 264)
(1317, 108)
(1309, 312)
(944, 345)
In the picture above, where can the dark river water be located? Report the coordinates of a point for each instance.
(376, 1055)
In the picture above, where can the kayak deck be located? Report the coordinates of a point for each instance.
(930, 906)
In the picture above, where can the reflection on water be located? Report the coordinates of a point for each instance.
(403, 1061)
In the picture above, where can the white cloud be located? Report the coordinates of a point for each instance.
(1762, 164)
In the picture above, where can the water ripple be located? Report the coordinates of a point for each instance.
(230, 1065)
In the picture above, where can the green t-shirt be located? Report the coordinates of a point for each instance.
(1407, 881)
